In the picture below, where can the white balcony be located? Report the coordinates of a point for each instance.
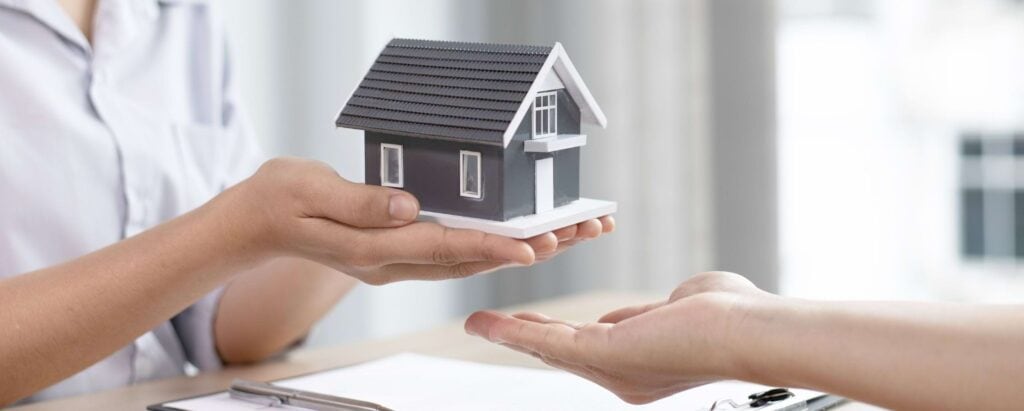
(556, 143)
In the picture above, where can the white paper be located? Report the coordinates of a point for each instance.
(416, 382)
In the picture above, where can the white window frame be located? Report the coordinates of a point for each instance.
(552, 125)
(384, 180)
(462, 174)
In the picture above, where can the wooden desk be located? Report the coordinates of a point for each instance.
(447, 341)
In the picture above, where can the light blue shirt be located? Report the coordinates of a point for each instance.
(101, 141)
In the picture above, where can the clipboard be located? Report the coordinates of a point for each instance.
(415, 382)
(164, 407)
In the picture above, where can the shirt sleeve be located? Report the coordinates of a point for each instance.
(194, 327)
(241, 158)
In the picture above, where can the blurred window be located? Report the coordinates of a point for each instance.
(992, 196)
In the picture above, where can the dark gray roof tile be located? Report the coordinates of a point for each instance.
(448, 81)
(508, 106)
(470, 47)
(441, 110)
(445, 90)
(424, 118)
(454, 72)
(423, 130)
(462, 64)
(463, 56)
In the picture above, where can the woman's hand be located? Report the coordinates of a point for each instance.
(719, 326)
(642, 353)
(304, 208)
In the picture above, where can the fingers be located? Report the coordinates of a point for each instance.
(585, 230)
(553, 339)
(607, 224)
(428, 243)
(576, 233)
(481, 322)
(544, 243)
(543, 319)
(589, 229)
(628, 312)
(360, 205)
(565, 233)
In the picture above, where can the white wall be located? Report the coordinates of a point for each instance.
(871, 104)
(848, 170)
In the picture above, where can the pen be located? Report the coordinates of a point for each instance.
(274, 396)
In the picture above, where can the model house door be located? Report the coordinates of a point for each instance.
(545, 124)
(545, 171)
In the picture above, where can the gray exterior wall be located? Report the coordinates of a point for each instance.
(431, 170)
(520, 191)
(431, 173)
(519, 174)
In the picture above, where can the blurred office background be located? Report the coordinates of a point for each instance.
(824, 148)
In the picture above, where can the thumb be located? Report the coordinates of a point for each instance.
(628, 312)
(364, 206)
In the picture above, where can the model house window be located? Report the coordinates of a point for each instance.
(545, 114)
(391, 165)
(469, 169)
(992, 196)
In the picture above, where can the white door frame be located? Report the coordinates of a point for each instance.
(544, 168)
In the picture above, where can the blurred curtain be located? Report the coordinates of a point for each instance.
(648, 65)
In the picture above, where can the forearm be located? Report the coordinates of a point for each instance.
(265, 310)
(61, 319)
(898, 355)
(67, 317)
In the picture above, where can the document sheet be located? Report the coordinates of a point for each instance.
(417, 382)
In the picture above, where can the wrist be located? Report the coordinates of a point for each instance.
(760, 330)
(243, 229)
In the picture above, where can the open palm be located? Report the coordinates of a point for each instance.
(641, 353)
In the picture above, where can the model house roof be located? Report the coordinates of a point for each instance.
(474, 92)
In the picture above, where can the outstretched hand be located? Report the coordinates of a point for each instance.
(641, 353)
(304, 208)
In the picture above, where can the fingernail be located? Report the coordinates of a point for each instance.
(552, 235)
(402, 208)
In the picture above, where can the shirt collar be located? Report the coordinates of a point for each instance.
(124, 17)
(51, 15)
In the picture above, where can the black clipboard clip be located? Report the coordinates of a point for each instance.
(756, 400)
(774, 395)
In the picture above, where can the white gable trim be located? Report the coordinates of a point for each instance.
(574, 84)
(559, 61)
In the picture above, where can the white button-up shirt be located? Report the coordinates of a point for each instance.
(101, 141)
